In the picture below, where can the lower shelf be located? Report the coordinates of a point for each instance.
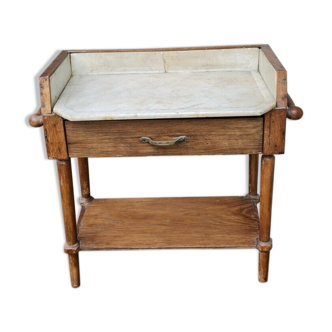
(152, 223)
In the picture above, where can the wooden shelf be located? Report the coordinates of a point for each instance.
(152, 223)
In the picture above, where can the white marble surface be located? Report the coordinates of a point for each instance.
(165, 95)
(268, 73)
(168, 61)
(117, 63)
(59, 79)
(212, 60)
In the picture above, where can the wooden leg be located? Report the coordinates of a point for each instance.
(83, 168)
(264, 244)
(74, 270)
(253, 174)
(263, 267)
(68, 210)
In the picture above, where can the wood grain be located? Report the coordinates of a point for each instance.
(150, 223)
(267, 174)
(253, 174)
(55, 137)
(265, 215)
(67, 199)
(65, 178)
(83, 168)
(274, 131)
(263, 266)
(204, 137)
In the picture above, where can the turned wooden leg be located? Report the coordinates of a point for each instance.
(253, 175)
(68, 210)
(264, 243)
(83, 168)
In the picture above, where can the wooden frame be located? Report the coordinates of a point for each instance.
(220, 222)
(44, 83)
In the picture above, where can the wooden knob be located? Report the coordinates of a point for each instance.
(294, 113)
(36, 120)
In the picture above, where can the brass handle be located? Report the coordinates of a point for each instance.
(163, 143)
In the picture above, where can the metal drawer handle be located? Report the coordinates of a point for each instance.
(163, 143)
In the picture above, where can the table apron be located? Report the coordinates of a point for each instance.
(212, 136)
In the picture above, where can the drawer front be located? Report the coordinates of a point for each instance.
(203, 137)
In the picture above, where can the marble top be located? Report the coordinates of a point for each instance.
(155, 95)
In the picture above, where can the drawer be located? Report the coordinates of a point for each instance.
(202, 137)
